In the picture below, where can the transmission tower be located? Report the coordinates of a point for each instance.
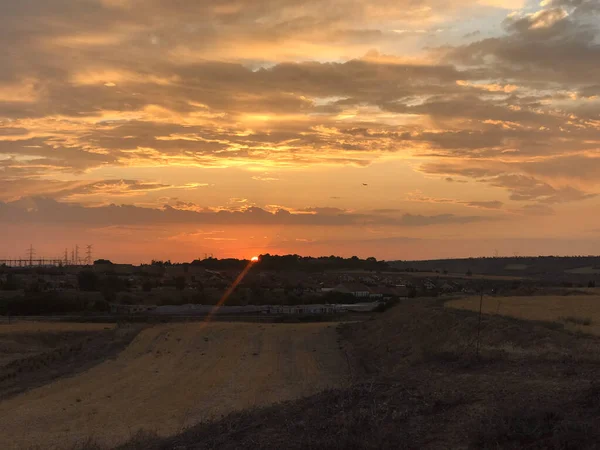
(76, 254)
(30, 254)
(89, 254)
(66, 257)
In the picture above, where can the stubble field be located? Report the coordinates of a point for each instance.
(576, 312)
(175, 375)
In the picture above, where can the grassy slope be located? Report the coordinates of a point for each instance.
(418, 384)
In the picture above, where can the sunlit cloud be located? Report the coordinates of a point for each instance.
(234, 108)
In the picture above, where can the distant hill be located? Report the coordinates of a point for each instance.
(521, 266)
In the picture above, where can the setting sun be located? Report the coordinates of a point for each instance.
(254, 259)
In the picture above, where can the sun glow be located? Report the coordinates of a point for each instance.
(254, 259)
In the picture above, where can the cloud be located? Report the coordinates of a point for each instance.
(49, 211)
(12, 189)
(537, 210)
(125, 83)
(439, 219)
(417, 196)
(523, 188)
(264, 178)
(534, 43)
(492, 204)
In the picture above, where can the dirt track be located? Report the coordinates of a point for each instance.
(172, 376)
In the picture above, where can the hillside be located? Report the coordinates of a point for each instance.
(419, 384)
(518, 266)
(172, 376)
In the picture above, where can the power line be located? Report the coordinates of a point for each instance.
(30, 254)
(89, 254)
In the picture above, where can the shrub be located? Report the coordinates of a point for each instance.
(576, 320)
(42, 303)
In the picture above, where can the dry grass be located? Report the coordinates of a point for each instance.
(578, 312)
(172, 376)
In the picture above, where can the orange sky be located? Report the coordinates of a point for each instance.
(394, 129)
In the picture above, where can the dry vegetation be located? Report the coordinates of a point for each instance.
(416, 381)
(175, 375)
(419, 384)
(576, 312)
(35, 353)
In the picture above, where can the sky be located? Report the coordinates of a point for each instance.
(404, 129)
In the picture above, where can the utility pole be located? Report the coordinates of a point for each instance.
(30, 253)
(72, 256)
(76, 254)
(66, 257)
(89, 254)
(479, 324)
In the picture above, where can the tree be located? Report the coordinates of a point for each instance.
(180, 283)
(11, 283)
(147, 286)
(102, 261)
(87, 280)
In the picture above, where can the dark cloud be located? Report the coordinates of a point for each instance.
(524, 188)
(557, 44)
(419, 220)
(46, 210)
(537, 210)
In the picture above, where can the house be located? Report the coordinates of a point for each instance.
(448, 287)
(357, 289)
(116, 308)
(303, 309)
(429, 285)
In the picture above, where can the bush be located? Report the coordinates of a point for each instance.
(382, 307)
(87, 280)
(42, 303)
(576, 320)
(147, 286)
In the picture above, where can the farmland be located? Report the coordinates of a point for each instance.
(577, 312)
(430, 381)
(175, 375)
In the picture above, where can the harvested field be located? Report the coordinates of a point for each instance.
(175, 375)
(35, 353)
(577, 312)
(426, 384)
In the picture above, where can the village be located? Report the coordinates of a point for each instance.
(191, 289)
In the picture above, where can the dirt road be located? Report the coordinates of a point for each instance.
(172, 376)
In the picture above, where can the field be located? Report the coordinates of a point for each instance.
(572, 310)
(175, 375)
(429, 380)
